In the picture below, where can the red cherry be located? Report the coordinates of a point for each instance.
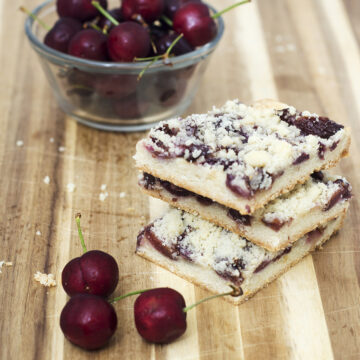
(88, 321)
(78, 9)
(150, 10)
(194, 21)
(61, 33)
(159, 315)
(131, 107)
(181, 47)
(116, 86)
(95, 272)
(105, 22)
(172, 6)
(127, 41)
(89, 44)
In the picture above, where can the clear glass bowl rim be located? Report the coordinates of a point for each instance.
(90, 65)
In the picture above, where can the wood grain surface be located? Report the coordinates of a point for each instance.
(305, 53)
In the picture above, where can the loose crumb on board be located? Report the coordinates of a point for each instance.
(46, 180)
(5, 263)
(19, 143)
(122, 194)
(61, 148)
(47, 280)
(51, 139)
(103, 187)
(103, 196)
(38, 233)
(70, 187)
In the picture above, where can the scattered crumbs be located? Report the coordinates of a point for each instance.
(70, 187)
(61, 148)
(47, 280)
(151, 278)
(46, 180)
(291, 47)
(103, 187)
(321, 70)
(19, 143)
(103, 196)
(122, 194)
(5, 263)
(38, 233)
(51, 139)
(278, 38)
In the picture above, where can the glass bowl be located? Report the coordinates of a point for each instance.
(107, 95)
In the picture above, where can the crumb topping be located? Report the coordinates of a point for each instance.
(47, 280)
(252, 145)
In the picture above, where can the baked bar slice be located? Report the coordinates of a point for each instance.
(279, 223)
(242, 156)
(212, 257)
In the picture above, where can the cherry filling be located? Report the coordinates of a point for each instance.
(240, 186)
(310, 125)
(265, 263)
(238, 218)
(172, 251)
(314, 235)
(303, 157)
(149, 182)
(227, 273)
(343, 193)
(275, 224)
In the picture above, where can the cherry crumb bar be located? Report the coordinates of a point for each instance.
(275, 226)
(212, 257)
(242, 156)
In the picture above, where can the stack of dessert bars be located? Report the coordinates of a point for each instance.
(248, 194)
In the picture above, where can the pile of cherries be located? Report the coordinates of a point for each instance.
(137, 30)
(89, 319)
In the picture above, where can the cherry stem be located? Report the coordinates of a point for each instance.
(93, 26)
(36, 18)
(157, 57)
(236, 291)
(218, 14)
(97, 5)
(166, 20)
(77, 218)
(114, 300)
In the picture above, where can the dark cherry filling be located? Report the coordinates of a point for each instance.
(265, 263)
(321, 150)
(203, 200)
(173, 189)
(149, 181)
(238, 218)
(275, 224)
(244, 191)
(343, 193)
(168, 251)
(303, 157)
(318, 175)
(237, 264)
(334, 145)
(321, 126)
(314, 235)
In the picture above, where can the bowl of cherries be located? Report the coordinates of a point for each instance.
(124, 66)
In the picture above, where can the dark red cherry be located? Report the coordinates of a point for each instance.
(150, 10)
(105, 22)
(127, 41)
(172, 6)
(95, 272)
(116, 86)
(159, 315)
(78, 9)
(194, 21)
(181, 47)
(89, 44)
(88, 321)
(131, 107)
(62, 32)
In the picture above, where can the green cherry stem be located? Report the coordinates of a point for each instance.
(114, 300)
(36, 18)
(77, 218)
(93, 26)
(236, 291)
(166, 20)
(218, 14)
(97, 5)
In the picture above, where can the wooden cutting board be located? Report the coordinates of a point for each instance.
(305, 53)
